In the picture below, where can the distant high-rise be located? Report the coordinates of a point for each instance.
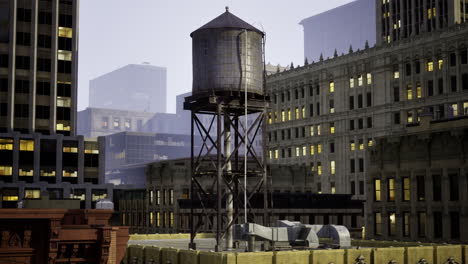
(399, 19)
(349, 25)
(135, 87)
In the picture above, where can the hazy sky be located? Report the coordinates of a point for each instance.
(114, 33)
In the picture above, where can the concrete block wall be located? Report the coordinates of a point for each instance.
(402, 255)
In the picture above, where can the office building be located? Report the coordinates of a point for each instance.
(400, 19)
(418, 183)
(327, 114)
(135, 87)
(39, 148)
(337, 29)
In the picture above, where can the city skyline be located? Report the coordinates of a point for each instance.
(174, 48)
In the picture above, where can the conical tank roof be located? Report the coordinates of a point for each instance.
(229, 21)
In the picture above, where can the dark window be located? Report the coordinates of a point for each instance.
(3, 85)
(408, 69)
(360, 101)
(351, 124)
(282, 97)
(317, 89)
(42, 112)
(352, 166)
(275, 96)
(22, 62)
(417, 66)
(396, 118)
(23, 38)
(351, 102)
(289, 95)
(3, 109)
(422, 224)
(421, 189)
(65, 21)
(64, 89)
(289, 152)
(296, 132)
(45, 41)
(353, 221)
(282, 134)
(464, 57)
(44, 18)
(453, 83)
(360, 123)
(43, 88)
(303, 132)
(369, 122)
(296, 94)
(361, 165)
(22, 86)
(21, 110)
(4, 21)
(289, 133)
(332, 147)
(43, 65)
(64, 66)
(311, 90)
(361, 187)
(302, 92)
(311, 110)
(23, 14)
(465, 81)
(438, 225)
(440, 87)
(318, 109)
(396, 94)
(455, 225)
(453, 59)
(454, 187)
(430, 87)
(369, 99)
(353, 188)
(63, 113)
(275, 135)
(3, 60)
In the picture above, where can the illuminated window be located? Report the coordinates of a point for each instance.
(429, 13)
(406, 189)
(276, 116)
(378, 224)
(360, 80)
(151, 218)
(406, 224)
(69, 173)
(63, 127)
(271, 154)
(440, 63)
(128, 123)
(289, 114)
(116, 122)
(369, 78)
(430, 66)
(151, 197)
(352, 145)
(332, 106)
(276, 154)
(319, 148)
(319, 168)
(332, 188)
(32, 194)
(312, 150)
(6, 170)
(65, 32)
(391, 189)
(303, 112)
(377, 189)
(361, 144)
(304, 151)
(283, 116)
(63, 101)
(370, 142)
(311, 131)
(409, 117)
(298, 151)
(10, 198)
(418, 90)
(297, 113)
(171, 196)
(465, 111)
(318, 130)
(64, 55)
(409, 92)
(45, 173)
(6, 144)
(171, 219)
(158, 197)
(455, 109)
(70, 149)
(23, 172)
(396, 75)
(270, 119)
(332, 87)
(351, 82)
(26, 145)
(392, 224)
(332, 167)
(158, 219)
(332, 128)
(98, 196)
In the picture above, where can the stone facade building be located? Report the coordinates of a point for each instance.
(39, 148)
(417, 183)
(327, 114)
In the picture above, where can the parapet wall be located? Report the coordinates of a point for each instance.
(441, 254)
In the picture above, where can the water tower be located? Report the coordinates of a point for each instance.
(228, 90)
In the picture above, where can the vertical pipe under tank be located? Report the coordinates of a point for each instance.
(228, 171)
